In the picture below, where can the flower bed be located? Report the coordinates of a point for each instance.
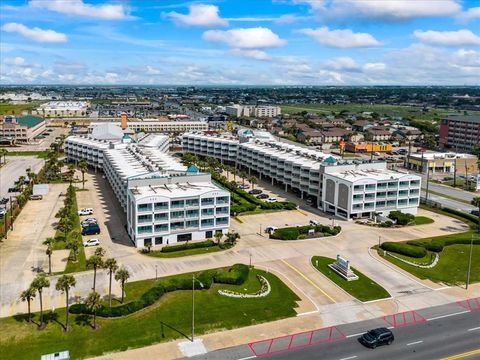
(264, 291)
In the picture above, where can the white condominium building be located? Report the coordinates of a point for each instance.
(63, 109)
(252, 110)
(156, 126)
(306, 171)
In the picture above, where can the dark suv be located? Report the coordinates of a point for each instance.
(377, 337)
(91, 229)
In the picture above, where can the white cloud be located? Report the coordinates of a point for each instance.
(78, 7)
(341, 63)
(199, 15)
(340, 38)
(470, 14)
(246, 38)
(17, 61)
(36, 34)
(378, 66)
(386, 9)
(250, 54)
(449, 38)
(153, 71)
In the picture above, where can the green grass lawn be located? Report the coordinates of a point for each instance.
(42, 154)
(169, 318)
(189, 252)
(17, 109)
(364, 289)
(423, 220)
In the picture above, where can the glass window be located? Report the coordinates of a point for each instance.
(207, 212)
(144, 207)
(159, 240)
(207, 201)
(370, 186)
(177, 214)
(191, 202)
(144, 218)
(191, 223)
(178, 203)
(161, 205)
(161, 216)
(222, 221)
(177, 225)
(207, 222)
(161, 228)
(144, 229)
(358, 187)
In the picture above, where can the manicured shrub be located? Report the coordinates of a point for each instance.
(192, 245)
(289, 233)
(428, 245)
(236, 275)
(462, 214)
(401, 218)
(404, 249)
(386, 224)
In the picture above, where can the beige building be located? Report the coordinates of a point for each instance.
(22, 129)
(57, 109)
(438, 162)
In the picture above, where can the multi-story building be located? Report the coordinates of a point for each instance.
(164, 201)
(21, 129)
(460, 132)
(305, 171)
(54, 109)
(252, 110)
(438, 162)
(156, 126)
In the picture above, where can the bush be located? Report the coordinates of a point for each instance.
(461, 214)
(428, 245)
(401, 218)
(404, 249)
(297, 232)
(193, 245)
(236, 275)
(386, 224)
(289, 233)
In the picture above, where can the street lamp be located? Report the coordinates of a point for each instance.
(156, 272)
(193, 303)
(469, 263)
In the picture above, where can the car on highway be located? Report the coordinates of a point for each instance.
(262, 196)
(377, 337)
(88, 221)
(35, 197)
(91, 242)
(85, 211)
(91, 229)
(255, 191)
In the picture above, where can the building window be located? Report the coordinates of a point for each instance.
(192, 213)
(207, 212)
(178, 203)
(222, 200)
(161, 228)
(191, 202)
(208, 234)
(184, 237)
(177, 225)
(161, 216)
(207, 201)
(159, 240)
(147, 242)
(207, 222)
(161, 205)
(144, 229)
(144, 218)
(144, 207)
(177, 214)
(191, 223)
(370, 187)
(222, 221)
(358, 187)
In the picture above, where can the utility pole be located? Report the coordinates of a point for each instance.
(428, 182)
(469, 264)
(455, 168)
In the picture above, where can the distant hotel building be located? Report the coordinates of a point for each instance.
(164, 202)
(346, 188)
(252, 110)
(156, 126)
(460, 132)
(22, 129)
(53, 109)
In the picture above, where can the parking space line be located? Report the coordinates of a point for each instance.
(308, 279)
(349, 358)
(473, 329)
(415, 343)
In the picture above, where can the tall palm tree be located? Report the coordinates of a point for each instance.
(49, 242)
(3, 152)
(95, 262)
(218, 237)
(99, 251)
(111, 265)
(93, 302)
(253, 180)
(64, 284)
(39, 283)
(74, 245)
(71, 173)
(28, 295)
(122, 275)
(83, 167)
(31, 175)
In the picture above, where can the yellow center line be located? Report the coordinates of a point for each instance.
(462, 355)
(308, 279)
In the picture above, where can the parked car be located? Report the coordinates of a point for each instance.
(12, 189)
(3, 211)
(376, 153)
(4, 201)
(91, 229)
(270, 229)
(475, 212)
(91, 242)
(262, 196)
(36, 197)
(255, 191)
(88, 221)
(271, 200)
(377, 337)
(314, 222)
(85, 211)
(244, 186)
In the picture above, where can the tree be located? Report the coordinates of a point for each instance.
(74, 245)
(65, 225)
(83, 167)
(39, 283)
(93, 302)
(64, 284)
(49, 242)
(253, 181)
(70, 173)
(111, 265)
(31, 175)
(3, 152)
(99, 251)
(28, 295)
(122, 275)
(218, 237)
(232, 237)
(95, 262)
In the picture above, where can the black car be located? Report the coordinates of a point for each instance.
(377, 337)
(262, 196)
(255, 191)
(4, 201)
(92, 229)
(12, 189)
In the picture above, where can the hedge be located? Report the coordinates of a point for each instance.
(428, 245)
(236, 275)
(462, 214)
(404, 249)
(193, 245)
(294, 232)
(401, 218)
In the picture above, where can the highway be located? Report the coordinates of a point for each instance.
(16, 166)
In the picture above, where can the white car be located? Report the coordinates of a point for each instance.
(91, 242)
(270, 229)
(314, 222)
(88, 221)
(85, 211)
(271, 200)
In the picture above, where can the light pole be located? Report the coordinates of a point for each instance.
(379, 241)
(250, 260)
(193, 304)
(156, 272)
(469, 263)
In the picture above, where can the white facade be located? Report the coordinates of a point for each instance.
(306, 171)
(155, 126)
(63, 109)
(252, 110)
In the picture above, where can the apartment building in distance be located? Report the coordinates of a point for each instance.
(460, 133)
(164, 201)
(55, 109)
(443, 162)
(157, 126)
(22, 129)
(253, 110)
(335, 185)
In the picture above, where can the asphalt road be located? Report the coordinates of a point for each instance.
(449, 202)
(16, 167)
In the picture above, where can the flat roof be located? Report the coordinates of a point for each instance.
(442, 155)
(176, 190)
(376, 174)
(466, 118)
(29, 120)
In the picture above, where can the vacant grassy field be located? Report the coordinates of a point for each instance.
(40, 154)
(390, 110)
(17, 109)
(169, 318)
(364, 289)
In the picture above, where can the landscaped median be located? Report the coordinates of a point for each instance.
(166, 308)
(194, 248)
(305, 232)
(364, 289)
(442, 259)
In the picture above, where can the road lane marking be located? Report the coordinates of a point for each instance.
(308, 279)
(462, 355)
(473, 329)
(349, 358)
(415, 343)
(353, 335)
(448, 315)
(249, 357)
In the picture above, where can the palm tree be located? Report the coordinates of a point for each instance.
(71, 173)
(111, 265)
(122, 275)
(232, 238)
(31, 175)
(74, 245)
(41, 281)
(83, 167)
(28, 295)
(218, 237)
(49, 242)
(64, 225)
(3, 152)
(253, 181)
(95, 262)
(93, 302)
(64, 284)
(99, 251)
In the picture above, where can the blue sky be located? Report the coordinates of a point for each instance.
(233, 42)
